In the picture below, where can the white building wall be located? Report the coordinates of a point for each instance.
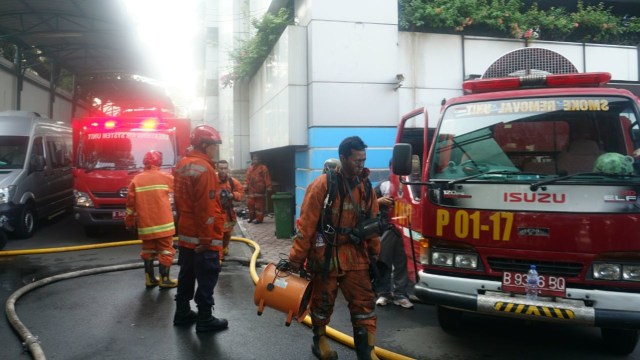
(435, 65)
(278, 95)
(7, 87)
(35, 95)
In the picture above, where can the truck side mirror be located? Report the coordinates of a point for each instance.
(401, 163)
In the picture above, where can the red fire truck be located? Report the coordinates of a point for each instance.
(530, 166)
(108, 154)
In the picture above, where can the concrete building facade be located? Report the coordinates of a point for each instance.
(345, 69)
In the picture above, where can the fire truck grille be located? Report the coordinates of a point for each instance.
(108, 195)
(550, 268)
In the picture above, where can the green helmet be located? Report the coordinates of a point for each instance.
(614, 163)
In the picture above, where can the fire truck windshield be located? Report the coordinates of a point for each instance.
(537, 138)
(122, 149)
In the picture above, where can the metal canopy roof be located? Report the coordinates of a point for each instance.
(93, 39)
(83, 36)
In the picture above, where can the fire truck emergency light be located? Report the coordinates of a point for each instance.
(149, 124)
(514, 83)
(109, 124)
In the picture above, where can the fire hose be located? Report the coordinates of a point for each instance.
(30, 341)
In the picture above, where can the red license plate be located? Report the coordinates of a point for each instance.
(117, 215)
(547, 285)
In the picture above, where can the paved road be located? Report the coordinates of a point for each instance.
(112, 316)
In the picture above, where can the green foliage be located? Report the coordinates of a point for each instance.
(251, 53)
(510, 18)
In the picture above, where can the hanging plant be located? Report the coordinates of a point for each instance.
(511, 18)
(251, 53)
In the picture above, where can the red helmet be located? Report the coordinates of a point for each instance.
(205, 134)
(153, 157)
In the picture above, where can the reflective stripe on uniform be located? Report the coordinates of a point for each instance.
(193, 170)
(363, 316)
(210, 220)
(129, 211)
(156, 229)
(151, 187)
(195, 240)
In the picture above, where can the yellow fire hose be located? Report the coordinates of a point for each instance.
(31, 341)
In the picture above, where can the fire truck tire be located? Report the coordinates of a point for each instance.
(92, 231)
(620, 341)
(26, 222)
(3, 239)
(449, 319)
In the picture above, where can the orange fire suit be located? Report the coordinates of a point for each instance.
(149, 209)
(200, 222)
(229, 213)
(200, 219)
(258, 181)
(349, 264)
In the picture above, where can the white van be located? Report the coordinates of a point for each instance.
(36, 177)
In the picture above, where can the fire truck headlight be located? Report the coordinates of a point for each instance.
(83, 199)
(440, 258)
(604, 271)
(631, 272)
(467, 261)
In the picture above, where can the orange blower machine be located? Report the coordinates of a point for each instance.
(279, 289)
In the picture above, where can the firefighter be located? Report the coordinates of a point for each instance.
(339, 249)
(149, 210)
(257, 184)
(230, 190)
(200, 227)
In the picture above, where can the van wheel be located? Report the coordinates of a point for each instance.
(92, 231)
(449, 319)
(620, 341)
(26, 222)
(3, 239)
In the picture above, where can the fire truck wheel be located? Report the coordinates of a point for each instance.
(449, 319)
(3, 239)
(26, 222)
(620, 341)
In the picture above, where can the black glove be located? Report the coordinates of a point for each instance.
(226, 198)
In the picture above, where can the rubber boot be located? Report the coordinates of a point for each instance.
(165, 281)
(364, 342)
(320, 347)
(151, 280)
(184, 315)
(207, 322)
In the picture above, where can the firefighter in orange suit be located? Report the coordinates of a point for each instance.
(257, 184)
(340, 250)
(149, 210)
(200, 225)
(230, 190)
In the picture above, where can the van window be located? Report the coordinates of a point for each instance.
(13, 150)
(60, 149)
(38, 149)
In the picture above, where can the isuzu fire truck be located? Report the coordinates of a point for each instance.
(508, 181)
(108, 154)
